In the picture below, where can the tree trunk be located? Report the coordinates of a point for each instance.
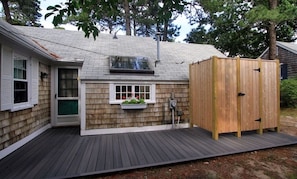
(272, 33)
(127, 17)
(6, 11)
(165, 33)
(272, 41)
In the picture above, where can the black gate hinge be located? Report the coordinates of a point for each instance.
(257, 69)
(259, 120)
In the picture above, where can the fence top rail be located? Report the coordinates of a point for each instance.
(233, 58)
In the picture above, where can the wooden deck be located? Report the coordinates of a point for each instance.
(63, 153)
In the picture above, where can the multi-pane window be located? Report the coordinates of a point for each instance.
(124, 92)
(67, 91)
(20, 80)
(67, 83)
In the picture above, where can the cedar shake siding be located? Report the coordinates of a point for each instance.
(15, 126)
(289, 58)
(286, 56)
(102, 115)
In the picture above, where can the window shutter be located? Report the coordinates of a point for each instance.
(34, 78)
(6, 78)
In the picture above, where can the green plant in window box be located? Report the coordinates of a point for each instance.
(134, 104)
(134, 101)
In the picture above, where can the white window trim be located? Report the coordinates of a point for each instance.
(27, 104)
(7, 81)
(112, 95)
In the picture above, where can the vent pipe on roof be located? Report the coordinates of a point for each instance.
(115, 34)
(158, 34)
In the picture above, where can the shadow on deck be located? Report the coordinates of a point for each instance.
(63, 153)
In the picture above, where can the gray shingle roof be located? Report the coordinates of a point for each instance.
(72, 45)
(288, 46)
(9, 33)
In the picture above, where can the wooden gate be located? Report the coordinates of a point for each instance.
(249, 89)
(234, 95)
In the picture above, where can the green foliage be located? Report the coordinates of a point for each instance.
(228, 32)
(148, 17)
(22, 12)
(241, 27)
(134, 101)
(85, 14)
(286, 10)
(288, 92)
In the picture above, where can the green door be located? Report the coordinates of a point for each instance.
(67, 98)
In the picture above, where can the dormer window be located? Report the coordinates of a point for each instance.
(119, 64)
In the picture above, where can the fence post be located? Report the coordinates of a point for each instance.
(191, 94)
(238, 85)
(215, 134)
(260, 131)
(278, 94)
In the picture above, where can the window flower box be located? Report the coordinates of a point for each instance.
(134, 104)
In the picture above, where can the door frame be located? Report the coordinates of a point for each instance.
(54, 101)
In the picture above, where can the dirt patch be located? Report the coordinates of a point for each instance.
(288, 125)
(278, 162)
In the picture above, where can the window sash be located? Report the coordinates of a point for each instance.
(20, 86)
(20, 91)
(67, 83)
(122, 92)
(20, 69)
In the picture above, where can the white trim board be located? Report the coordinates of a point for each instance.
(132, 129)
(20, 143)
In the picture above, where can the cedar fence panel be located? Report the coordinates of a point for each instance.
(226, 89)
(234, 95)
(270, 92)
(201, 88)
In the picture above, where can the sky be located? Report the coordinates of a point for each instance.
(181, 20)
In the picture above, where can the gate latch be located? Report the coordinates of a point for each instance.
(257, 69)
(240, 94)
(259, 120)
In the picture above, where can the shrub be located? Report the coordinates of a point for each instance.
(288, 92)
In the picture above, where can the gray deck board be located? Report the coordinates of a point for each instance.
(184, 144)
(64, 167)
(109, 153)
(187, 151)
(102, 154)
(124, 152)
(63, 153)
(143, 149)
(117, 161)
(57, 164)
(95, 152)
(140, 154)
(156, 155)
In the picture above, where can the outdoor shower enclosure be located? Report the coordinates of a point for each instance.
(235, 95)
